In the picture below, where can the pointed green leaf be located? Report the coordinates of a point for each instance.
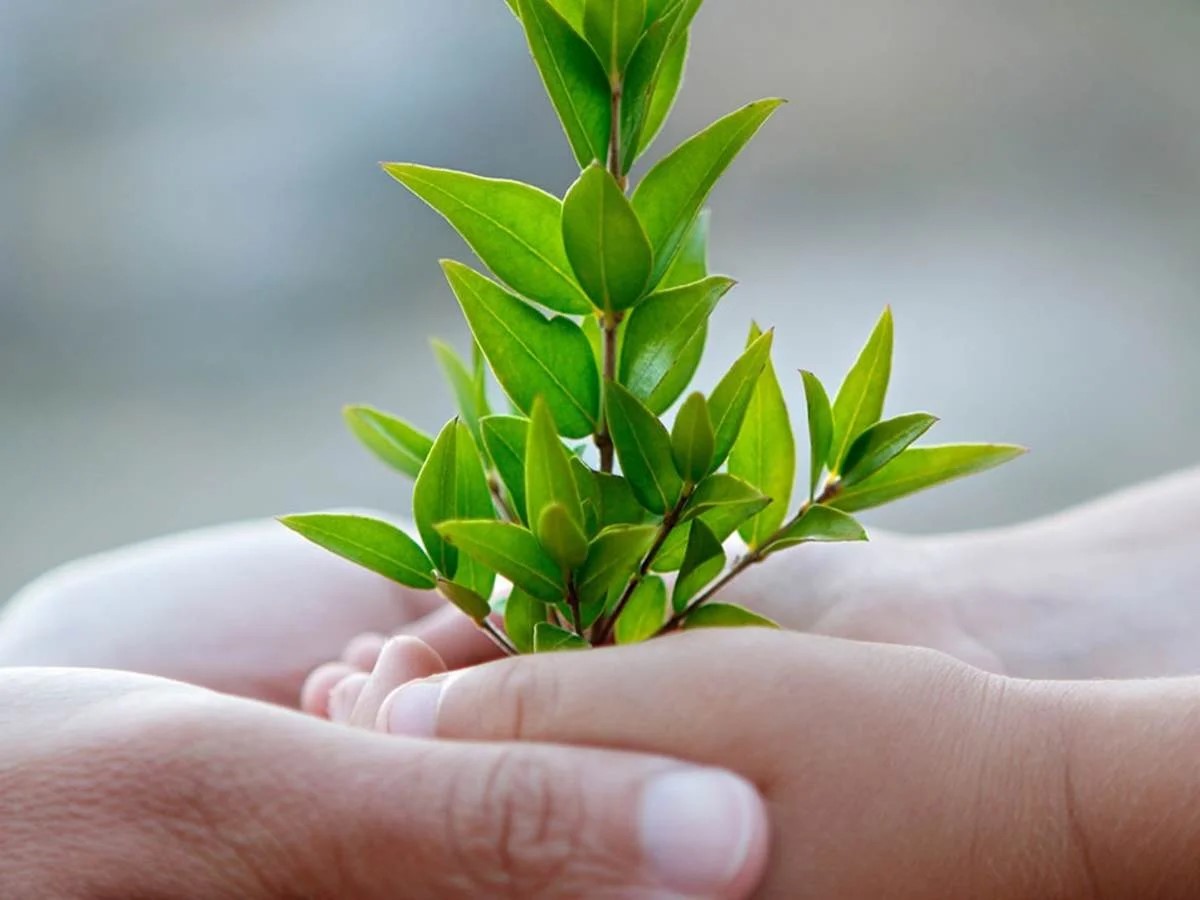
(572, 11)
(549, 638)
(666, 89)
(918, 468)
(472, 500)
(692, 439)
(468, 390)
(474, 606)
(764, 454)
(548, 476)
(664, 338)
(510, 550)
(726, 615)
(505, 439)
(522, 614)
(728, 491)
(613, 28)
(612, 558)
(819, 524)
(574, 77)
(514, 228)
(435, 498)
(722, 520)
(393, 440)
(529, 354)
(731, 397)
(589, 496)
(671, 195)
(618, 505)
(820, 428)
(648, 75)
(605, 241)
(561, 536)
(880, 444)
(859, 402)
(644, 613)
(644, 448)
(702, 562)
(374, 545)
(691, 263)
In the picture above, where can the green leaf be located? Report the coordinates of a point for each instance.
(726, 615)
(435, 498)
(613, 28)
(618, 505)
(691, 263)
(374, 545)
(529, 354)
(605, 242)
(819, 524)
(472, 500)
(692, 439)
(469, 602)
(514, 228)
(721, 490)
(393, 440)
(820, 428)
(574, 77)
(549, 638)
(572, 11)
(880, 444)
(561, 536)
(671, 195)
(589, 496)
(666, 89)
(505, 439)
(702, 562)
(522, 614)
(644, 449)
(859, 402)
(648, 75)
(764, 454)
(644, 613)
(469, 391)
(918, 468)
(510, 550)
(731, 397)
(612, 558)
(549, 480)
(664, 339)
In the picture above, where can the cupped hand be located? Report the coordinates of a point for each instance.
(890, 771)
(120, 785)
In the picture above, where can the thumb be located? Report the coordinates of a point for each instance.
(354, 813)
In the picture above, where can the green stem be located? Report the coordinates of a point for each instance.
(498, 638)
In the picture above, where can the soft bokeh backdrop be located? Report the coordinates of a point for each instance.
(200, 261)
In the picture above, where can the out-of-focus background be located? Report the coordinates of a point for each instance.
(200, 261)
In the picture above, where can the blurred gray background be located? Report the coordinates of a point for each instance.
(200, 261)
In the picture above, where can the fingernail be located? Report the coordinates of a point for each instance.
(698, 829)
(412, 709)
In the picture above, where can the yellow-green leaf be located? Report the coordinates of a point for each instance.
(691, 262)
(703, 561)
(613, 28)
(692, 439)
(561, 536)
(671, 195)
(859, 402)
(549, 638)
(644, 448)
(522, 614)
(764, 455)
(379, 546)
(510, 550)
(548, 477)
(724, 490)
(918, 468)
(515, 229)
(820, 428)
(664, 339)
(530, 355)
(393, 440)
(731, 397)
(819, 524)
(474, 606)
(726, 615)
(644, 613)
(880, 444)
(505, 438)
(605, 242)
(469, 390)
(612, 558)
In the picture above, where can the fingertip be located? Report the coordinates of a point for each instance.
(314, 693)
(362, 651)
(344, 696)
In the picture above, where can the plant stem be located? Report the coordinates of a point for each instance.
(573, 603)
(498, 638)
(614, 139)
(830, 491)
(604, 632)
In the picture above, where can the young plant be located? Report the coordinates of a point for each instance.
(593, 325)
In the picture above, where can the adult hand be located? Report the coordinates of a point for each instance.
(119, 785)
(889, 771)
(248, 609)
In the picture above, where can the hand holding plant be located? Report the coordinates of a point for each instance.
(585, 544)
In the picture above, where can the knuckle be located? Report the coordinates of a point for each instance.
(520, 700)
(516, 828)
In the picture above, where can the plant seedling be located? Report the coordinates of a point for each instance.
(593, 321)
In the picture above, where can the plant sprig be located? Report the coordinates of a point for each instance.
(593, 324)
